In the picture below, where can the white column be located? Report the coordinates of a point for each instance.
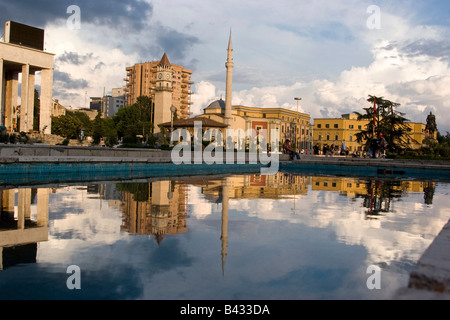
(45, 121)
(2, 97)
(30, 103)
(24, 98)
(11, 98)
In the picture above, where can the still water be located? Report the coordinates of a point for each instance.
(281, 237)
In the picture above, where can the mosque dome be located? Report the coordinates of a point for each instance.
(218, 104)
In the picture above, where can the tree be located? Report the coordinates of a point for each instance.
(383, 118)
(71, 124)
(132, 121)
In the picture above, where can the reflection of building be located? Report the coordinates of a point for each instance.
(19, 237)
(377, 194)
(157, 208)
(354, 187)
(276, 186)
(347, 186)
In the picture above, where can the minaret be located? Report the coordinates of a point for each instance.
(229, 86)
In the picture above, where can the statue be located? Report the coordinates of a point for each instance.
(431, 127)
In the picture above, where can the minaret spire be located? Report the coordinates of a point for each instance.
(229, 85)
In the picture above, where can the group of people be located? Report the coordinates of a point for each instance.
(377, 148)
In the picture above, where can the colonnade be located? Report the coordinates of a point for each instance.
(18, 60)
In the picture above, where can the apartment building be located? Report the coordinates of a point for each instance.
(141, 81)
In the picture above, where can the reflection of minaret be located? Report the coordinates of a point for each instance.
(229, 86)
(224, 237)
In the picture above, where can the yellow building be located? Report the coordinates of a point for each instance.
(286, 123)
(336, 131)
(417, 135)
(142, 78)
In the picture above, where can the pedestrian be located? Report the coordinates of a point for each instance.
(289, 150)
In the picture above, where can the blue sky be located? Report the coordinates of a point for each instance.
(322, 51)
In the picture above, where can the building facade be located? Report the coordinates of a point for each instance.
(142, 78)
(339, 130)
(343, 130)
(26, 58)
(286, 124)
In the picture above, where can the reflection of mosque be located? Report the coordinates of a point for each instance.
(19, 234)
(277, 186)
(157, 208)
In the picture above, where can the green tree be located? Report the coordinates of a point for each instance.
(71, 124)
(97, 129)
(135, 120)
(383, 118)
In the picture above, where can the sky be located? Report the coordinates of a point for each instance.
(332, 54)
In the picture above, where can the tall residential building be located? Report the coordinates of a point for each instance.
(142, 79)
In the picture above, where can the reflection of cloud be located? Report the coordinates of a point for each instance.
(200, 207)
(406, 234)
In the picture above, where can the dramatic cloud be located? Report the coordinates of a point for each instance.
(115, 14)
(65, 80)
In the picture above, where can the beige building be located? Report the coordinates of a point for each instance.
(142, 80)
(22, 53)
(287, 124)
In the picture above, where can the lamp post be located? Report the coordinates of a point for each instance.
(172, 111)
(296, 142)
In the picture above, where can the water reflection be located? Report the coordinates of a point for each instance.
(301, 221)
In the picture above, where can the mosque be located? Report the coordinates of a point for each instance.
(222, 115)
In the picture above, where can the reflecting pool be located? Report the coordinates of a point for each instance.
(240, 237)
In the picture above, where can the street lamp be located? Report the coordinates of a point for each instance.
(296, 142)
(172, 111)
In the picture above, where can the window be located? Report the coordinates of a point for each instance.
(336, 126)
(319, 126)
(320, 137)
(351, 126)
(359, 127)
(327, 126)
(328, 137)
